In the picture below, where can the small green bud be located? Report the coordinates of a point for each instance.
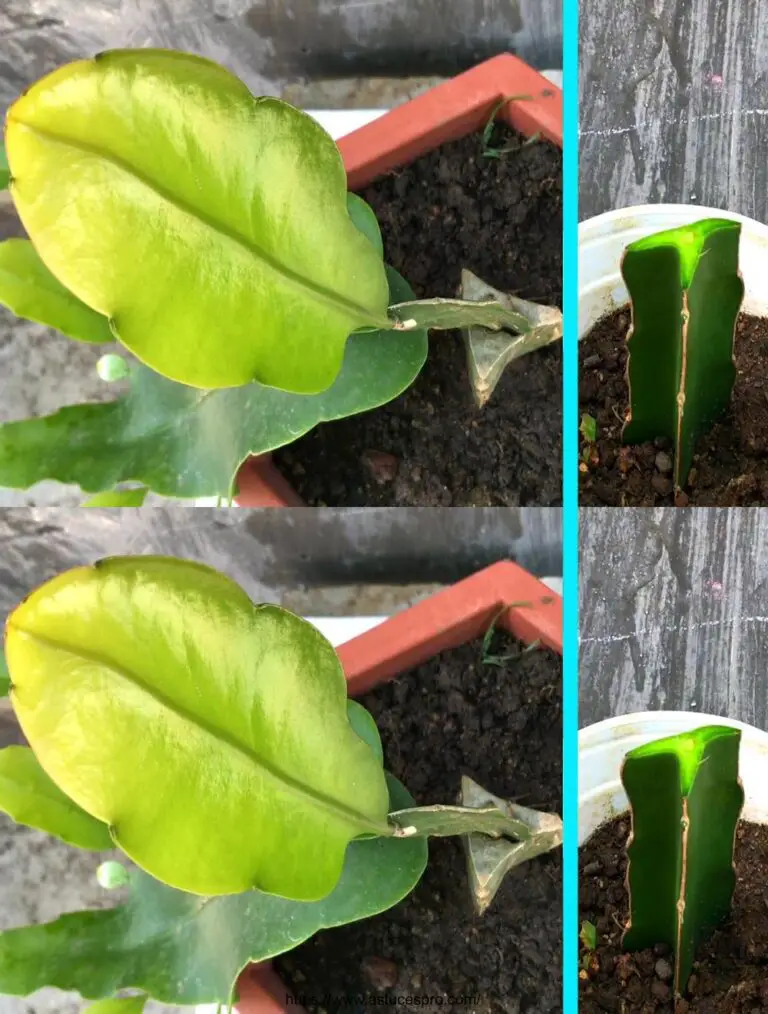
(588, 428)
(111, 368)
(111, 875)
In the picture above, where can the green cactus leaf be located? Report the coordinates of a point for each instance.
(29, 797)
(183, 949)
(180, 672)
(686, 799)
(686, 291)
(210, 225)
(181, 442)
(29, 289)
(118, 498)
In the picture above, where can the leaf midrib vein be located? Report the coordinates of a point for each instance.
(317, 291)
(286, 782)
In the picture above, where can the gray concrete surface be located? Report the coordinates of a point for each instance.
(672, 104)
(319, 562)
(673, 612)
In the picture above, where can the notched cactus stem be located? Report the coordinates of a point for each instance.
(685, 798)
(686, 292)
(490, 859)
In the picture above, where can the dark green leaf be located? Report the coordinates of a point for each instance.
(686, 798)
(182, 442)
(29, 289)
(364, 219)
(364, 725)
(4, 171)
(29, 797)
(5, 679)
(686, 292)
(184, 949)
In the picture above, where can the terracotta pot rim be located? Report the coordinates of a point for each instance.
(455, 615)
(449, 111)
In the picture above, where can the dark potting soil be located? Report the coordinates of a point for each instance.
(730, 467)
(502, 219)
(730, 975)
(501, 726)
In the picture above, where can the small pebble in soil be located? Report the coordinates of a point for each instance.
(662, 484)
(663, 969)
(664, 462)
(660, 990)
(382, 467)
(381, 973)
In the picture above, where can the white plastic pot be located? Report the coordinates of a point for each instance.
(602, 748)
(602, 241)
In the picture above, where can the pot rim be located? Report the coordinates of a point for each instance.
(603, 745)
(596, 730)
(694, 211)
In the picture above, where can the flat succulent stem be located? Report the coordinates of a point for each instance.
(497, 327)
(490, 352)
(488, 859)
(452, 314)
(448, 821)
(498, 835)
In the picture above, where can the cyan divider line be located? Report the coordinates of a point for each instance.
(570, 503)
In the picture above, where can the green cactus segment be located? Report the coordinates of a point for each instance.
(686, 798)
(686, 292)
